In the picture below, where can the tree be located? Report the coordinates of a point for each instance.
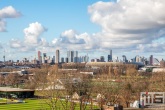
(133, 84)
(80, 84)
(12, 79)
(52, 93)
(2, 80)
(110, 90)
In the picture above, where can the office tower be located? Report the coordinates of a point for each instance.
(110, 56)
(57, 56)
(75, 57)
(102, 59)
(62, 60)
(92, 60)
(86, 58)
(44, 58)
(137, 58)
(49, 59)
(111, 52)
(66, 60)
(44, 55)
(151, 60)
(70, 56)
(39, 57)
(53, 59)
(83, 58)
(97, 60)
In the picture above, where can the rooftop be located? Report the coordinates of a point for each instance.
(9, 89)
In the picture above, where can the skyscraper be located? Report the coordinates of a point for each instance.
(66, 60)
(110, 56)
(39, 57)
(101, 58)
(72, 56)
(151, 60)
(44, 58)
(57, 56)
(62, 60)
(75, 57)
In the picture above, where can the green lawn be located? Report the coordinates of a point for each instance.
(34, 104)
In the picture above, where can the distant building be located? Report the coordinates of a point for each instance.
(92, 60)
(66, 60)
(62, 60)
(75, 57)
(162, 63)
(124, 58)
(53, 59)
(97, 60)
(102, 59)
(84, 58)
(39, 57)
(57, 56)
(110, 56)
(70, 56)
(151, 60)
(44, 58)
(137, 58)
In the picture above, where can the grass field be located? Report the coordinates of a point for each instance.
(33, 104)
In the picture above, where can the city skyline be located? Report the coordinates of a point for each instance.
(128, 27)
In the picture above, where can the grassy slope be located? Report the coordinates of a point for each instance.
(29, 105)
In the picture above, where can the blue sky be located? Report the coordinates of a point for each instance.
(92, 27)
(56, 15)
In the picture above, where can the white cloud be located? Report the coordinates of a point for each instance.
(71, 36)
(157, 47)
(15, 43)
(2, 25)
(33, 32)
(128, 23)
(1, 46)
(70, 39)
(7, 12)
(32, 39)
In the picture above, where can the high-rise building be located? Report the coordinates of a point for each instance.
(86, 58)
(57, 56)
(44, 58)
(92, 60)
(110, 56)
(75, 57)
(151, 60)
(102, 59)
(39, 57)
(83, 58)
(62, 60)
(66, 60)
(137, 58)
(53, 59)
(97, 60)
(70, 56)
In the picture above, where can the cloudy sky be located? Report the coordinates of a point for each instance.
(93, 27)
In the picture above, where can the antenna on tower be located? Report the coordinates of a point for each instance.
(4, 57)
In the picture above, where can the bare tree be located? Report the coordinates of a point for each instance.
(2, 80)
(12, 79)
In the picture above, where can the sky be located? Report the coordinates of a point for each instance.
(91, 27)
